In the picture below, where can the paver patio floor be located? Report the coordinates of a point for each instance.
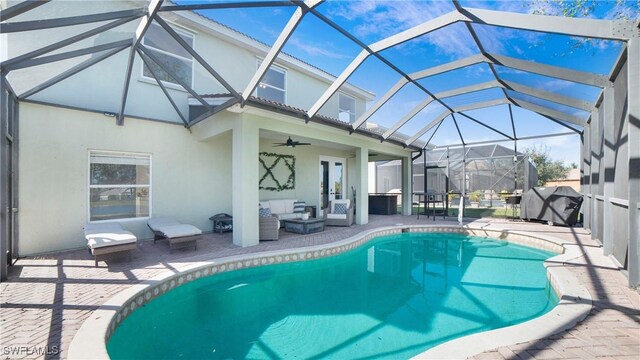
(46, 298)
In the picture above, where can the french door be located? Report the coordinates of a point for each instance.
(333, 180)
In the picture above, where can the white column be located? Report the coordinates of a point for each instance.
(407, 185)
(362, 186)
(608, 107)
(633, 78)
(244, 188)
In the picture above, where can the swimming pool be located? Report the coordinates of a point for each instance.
(395, 296)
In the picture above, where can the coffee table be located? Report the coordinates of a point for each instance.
(300, 226)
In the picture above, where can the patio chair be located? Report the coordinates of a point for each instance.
(104, 239)
(343, 216)
(269, 227)
(178, 234)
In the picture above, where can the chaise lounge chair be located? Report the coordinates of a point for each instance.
(179, 235)
(108, 238)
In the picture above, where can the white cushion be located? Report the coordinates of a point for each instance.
(105, 239)
(337, 216)
(174, 231)
(156, 222)
(277, 206)
(344, 201)
(264, 204)
(107, 234)
(288, 206)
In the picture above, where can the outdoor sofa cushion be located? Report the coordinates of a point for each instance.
(344, 201)
(337, 216)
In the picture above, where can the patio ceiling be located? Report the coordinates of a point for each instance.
(571, 112)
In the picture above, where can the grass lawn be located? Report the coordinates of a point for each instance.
(474, 212)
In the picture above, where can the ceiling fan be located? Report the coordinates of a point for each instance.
(290, 143)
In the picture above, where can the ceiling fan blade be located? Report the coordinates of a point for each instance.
(278, 145)
(301, 143)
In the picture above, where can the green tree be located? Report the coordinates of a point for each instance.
(548, 169)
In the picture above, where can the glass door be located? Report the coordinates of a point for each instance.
(332, 180)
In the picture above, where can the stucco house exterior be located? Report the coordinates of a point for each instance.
(80, 162)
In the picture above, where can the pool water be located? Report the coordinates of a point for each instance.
(394, 297)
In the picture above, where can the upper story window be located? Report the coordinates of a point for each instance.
(170, 53)
(119, 185)
(346, 108)
(273, 85)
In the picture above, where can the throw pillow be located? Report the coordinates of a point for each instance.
(340, 209)
(298, 207)
(264, 212)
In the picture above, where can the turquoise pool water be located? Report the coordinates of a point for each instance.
(394, 297)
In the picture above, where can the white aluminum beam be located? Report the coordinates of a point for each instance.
(145, 22)
(468, 89)
(453, 65)
(435, 122)
(551, 71)
(407, 117)
(481, 105)
(419, 30)
(549, 96)
(276, 48)
(337, 83)
(558, 115)
(381, 45)
(378, 104)
(589, 28)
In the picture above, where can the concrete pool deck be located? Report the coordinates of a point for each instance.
(46, 299)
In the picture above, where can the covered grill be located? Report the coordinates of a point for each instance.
(559, 205)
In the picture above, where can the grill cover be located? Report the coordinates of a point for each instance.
(559, 205)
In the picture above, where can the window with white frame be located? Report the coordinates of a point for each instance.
(171, 54)
(273, 85)
(346, 108)
(119, 185)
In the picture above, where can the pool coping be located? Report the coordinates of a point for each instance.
(575, 301)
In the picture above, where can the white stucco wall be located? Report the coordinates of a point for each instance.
(190, 178)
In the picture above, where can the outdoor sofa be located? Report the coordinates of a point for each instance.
(104, 239)
(178, 234)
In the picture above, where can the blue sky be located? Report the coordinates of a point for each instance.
(370, 21)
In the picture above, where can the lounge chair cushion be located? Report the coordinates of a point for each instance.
(100, 240)
(180, 230)
(155, 222)
(107, 234)
(337, 216)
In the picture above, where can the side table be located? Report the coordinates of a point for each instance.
(222, 222)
